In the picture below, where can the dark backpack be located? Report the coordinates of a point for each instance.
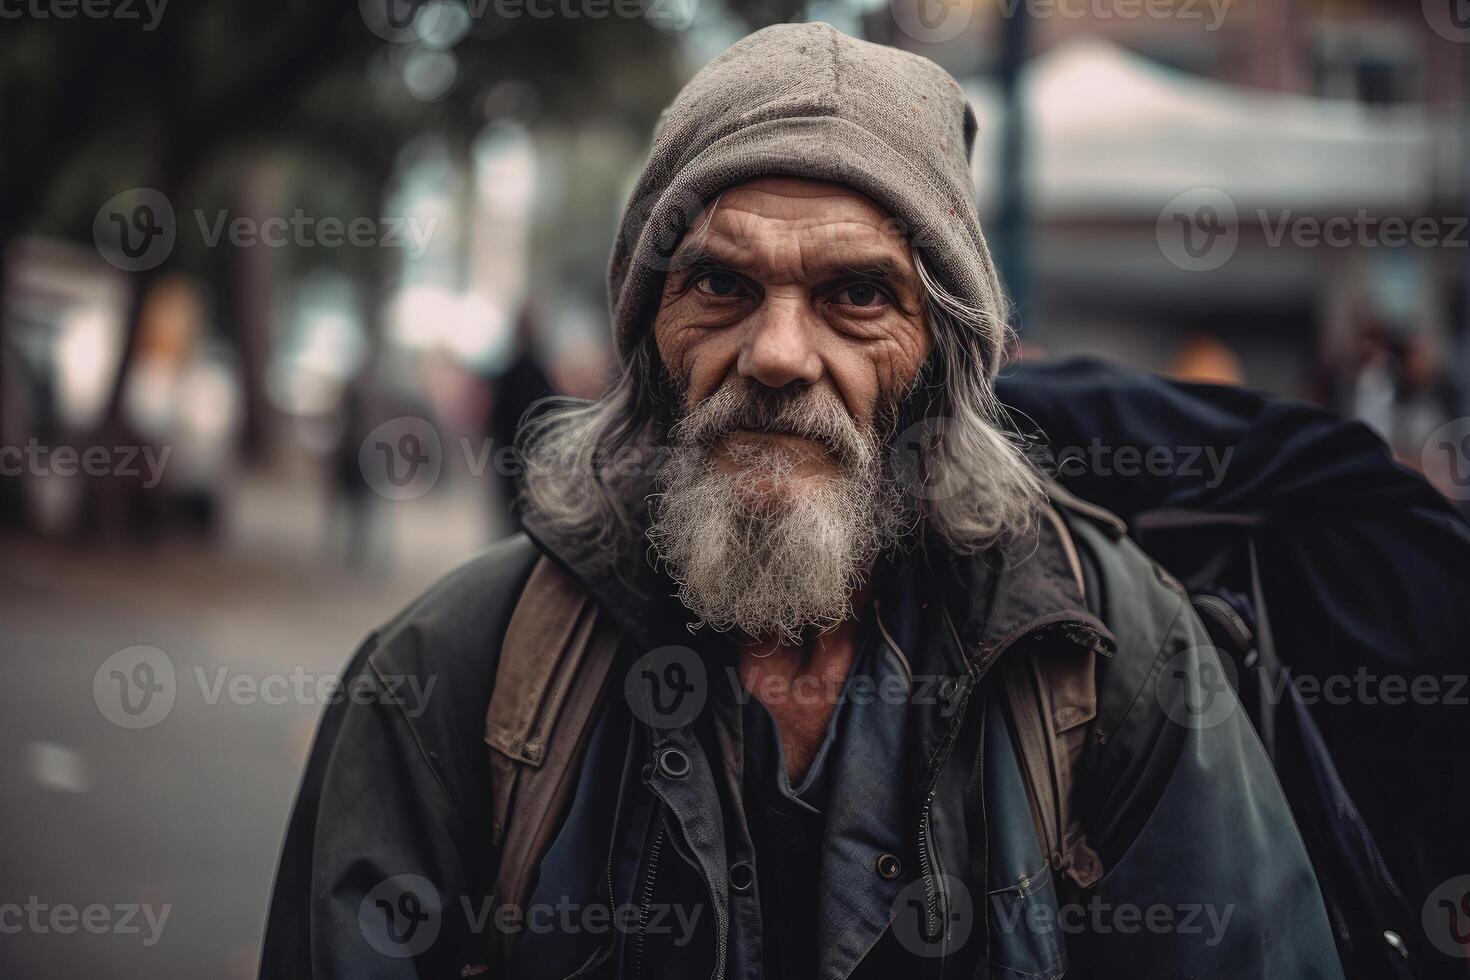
(1332, 580)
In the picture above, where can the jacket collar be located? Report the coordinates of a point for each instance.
(989, 600)
(1004, 595)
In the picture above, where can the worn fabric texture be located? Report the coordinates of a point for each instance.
(806, 100)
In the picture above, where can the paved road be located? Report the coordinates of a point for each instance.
(183, 817)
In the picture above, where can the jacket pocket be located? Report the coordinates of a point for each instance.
(1025, 928)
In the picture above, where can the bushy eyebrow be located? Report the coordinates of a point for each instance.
(694, 255)
(881, 268)
(856, 263)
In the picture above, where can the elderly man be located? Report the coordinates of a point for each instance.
(800, 668)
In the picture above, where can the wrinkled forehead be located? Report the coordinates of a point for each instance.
(795, 224)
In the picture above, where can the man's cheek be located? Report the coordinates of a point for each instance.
(700, 359)
(895, 368)
(859, 381)
(673, 332)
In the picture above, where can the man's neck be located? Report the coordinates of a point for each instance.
(800, 684)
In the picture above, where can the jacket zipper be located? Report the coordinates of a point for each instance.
(926, 865)
(722, 922)
(928, 861)
(645, 902)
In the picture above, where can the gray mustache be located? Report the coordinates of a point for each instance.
(810, 417)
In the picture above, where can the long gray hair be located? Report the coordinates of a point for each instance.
(579, 457)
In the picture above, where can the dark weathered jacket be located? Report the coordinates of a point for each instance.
(1204, 873)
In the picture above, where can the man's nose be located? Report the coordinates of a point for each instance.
(779, 347)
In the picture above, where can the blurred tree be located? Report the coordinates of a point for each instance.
(189, 103)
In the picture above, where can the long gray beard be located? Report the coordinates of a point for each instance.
(781, 566)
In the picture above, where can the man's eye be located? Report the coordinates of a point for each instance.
(718, 284)
(862, 294)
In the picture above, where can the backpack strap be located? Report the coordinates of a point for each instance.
(555, 661)
(1052, 697)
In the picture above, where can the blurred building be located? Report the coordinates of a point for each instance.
(1283, 178)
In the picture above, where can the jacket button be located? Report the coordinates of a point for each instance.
(742, 876)
(947, 688)
(889, 866)
(673, 763)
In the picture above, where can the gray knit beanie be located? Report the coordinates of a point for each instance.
(806, 100)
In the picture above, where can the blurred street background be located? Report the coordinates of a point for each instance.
(275, 285)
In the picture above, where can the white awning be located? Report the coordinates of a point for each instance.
(1114, 135)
